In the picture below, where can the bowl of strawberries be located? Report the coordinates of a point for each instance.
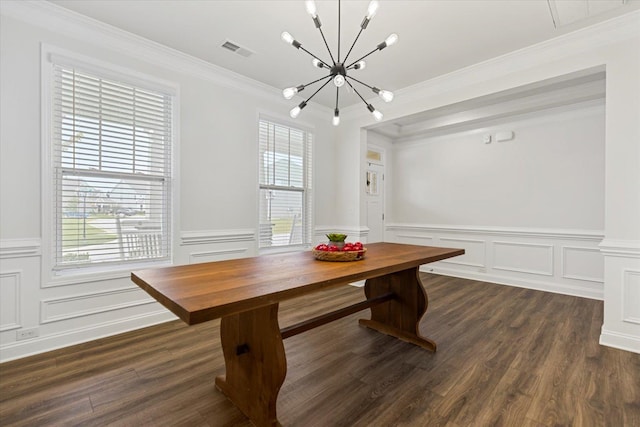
(332, 252)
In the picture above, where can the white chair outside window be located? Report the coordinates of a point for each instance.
(137, 242)
(295, 234)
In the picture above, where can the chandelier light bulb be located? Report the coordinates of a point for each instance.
(317, 63)
(373, 8)
(386, 95)
(338, 80)
(311, 8)
(289, 92)
(336, 117)
(376, 114)
(288, 38)
(295, 112)
(360, 65)
(392, 39)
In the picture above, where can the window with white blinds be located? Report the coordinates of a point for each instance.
(285, 185)
(111, 170)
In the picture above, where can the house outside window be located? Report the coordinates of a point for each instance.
(110, 168)
(285, 185)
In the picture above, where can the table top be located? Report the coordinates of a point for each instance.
(200, 292)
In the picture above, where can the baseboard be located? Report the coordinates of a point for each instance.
(20, 349)
(620, 341)
(556, 288)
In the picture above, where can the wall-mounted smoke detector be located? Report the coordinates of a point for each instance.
(236, 48)
(565, 12)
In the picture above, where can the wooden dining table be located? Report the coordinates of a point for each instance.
(245, 294)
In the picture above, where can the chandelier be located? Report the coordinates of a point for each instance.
(338, 67)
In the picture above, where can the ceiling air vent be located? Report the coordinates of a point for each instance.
(242, 51)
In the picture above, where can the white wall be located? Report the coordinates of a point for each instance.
(614, 44)
(551, 175)
(217, 172)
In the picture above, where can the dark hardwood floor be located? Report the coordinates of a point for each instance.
(506, 357)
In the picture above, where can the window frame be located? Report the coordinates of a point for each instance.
(52, 56)
(307, 190)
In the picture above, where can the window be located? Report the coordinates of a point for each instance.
(285, 185)
(110, 153)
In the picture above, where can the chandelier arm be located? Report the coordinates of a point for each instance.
(362, 83)
(358, 60)
(327, 45)
(358, 93)
(324, 62)
(319, 89)
(316, 81)
(337, 93)
(354, 43)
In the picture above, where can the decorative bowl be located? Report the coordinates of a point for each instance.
(339, 256)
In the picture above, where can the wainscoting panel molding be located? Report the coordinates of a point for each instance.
(533, 258)
(216, 245)
(10, 300)
(561, 261)
(631, 297)
(581, 263)
(217, 255)
(475, 251)
(621, 327)
(78, 308)
(74, 306)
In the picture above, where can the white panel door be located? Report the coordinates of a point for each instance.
(375, 202)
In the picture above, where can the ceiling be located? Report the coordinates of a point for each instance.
(435, 36)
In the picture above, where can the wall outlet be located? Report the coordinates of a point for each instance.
(26, 334)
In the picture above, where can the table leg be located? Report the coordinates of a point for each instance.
(255, 362)
(399, 317)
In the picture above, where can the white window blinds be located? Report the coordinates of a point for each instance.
(285, 185)
(111, 163)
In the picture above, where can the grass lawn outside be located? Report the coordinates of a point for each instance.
(73, 231)
(282, 225)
